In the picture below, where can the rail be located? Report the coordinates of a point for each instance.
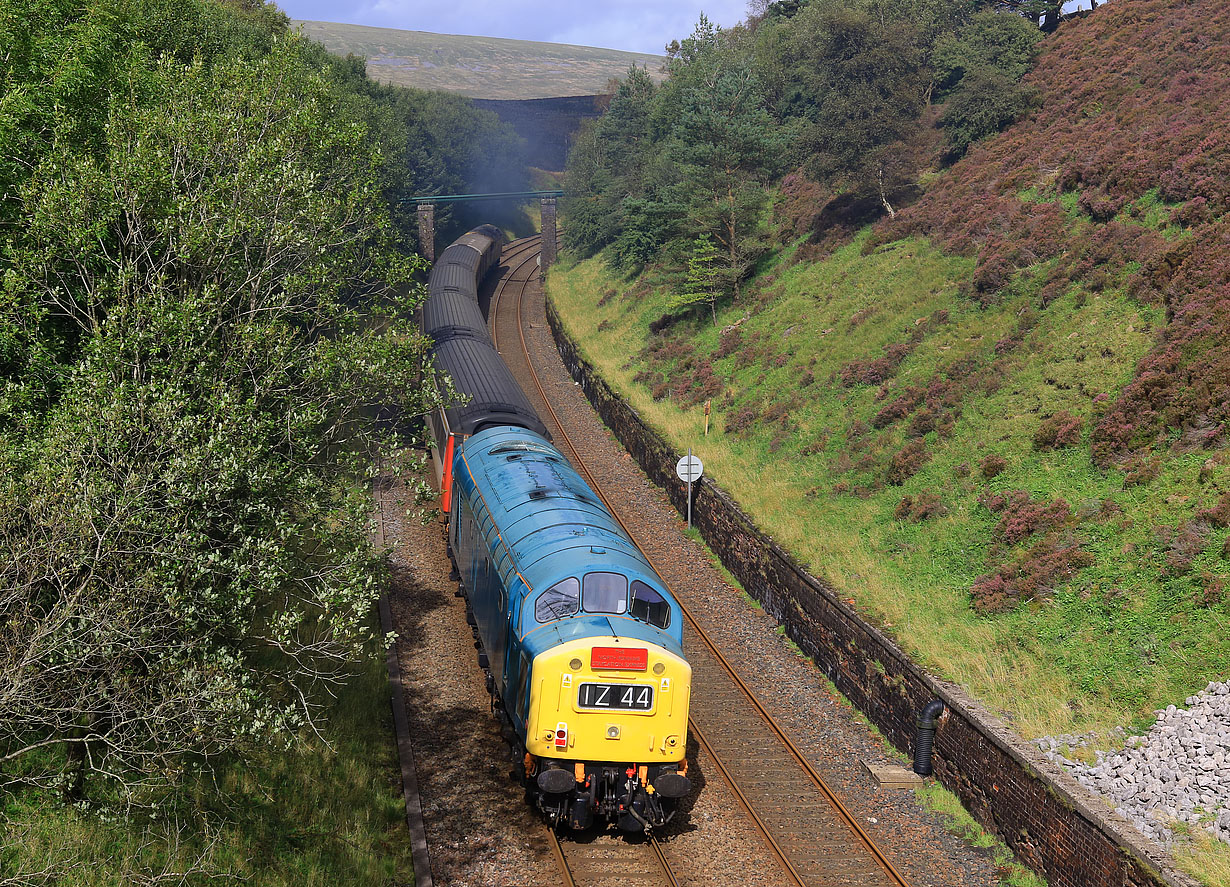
(797, 853)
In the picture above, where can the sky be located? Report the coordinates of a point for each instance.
(632, 25)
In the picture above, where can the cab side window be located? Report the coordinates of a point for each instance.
(560, 600)
(605, 593)
(649, 606)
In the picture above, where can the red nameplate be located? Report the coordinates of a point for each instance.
(624, 658)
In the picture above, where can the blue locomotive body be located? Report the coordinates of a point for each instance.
(525, 521)
(566, 607)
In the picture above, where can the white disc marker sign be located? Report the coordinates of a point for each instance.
(689, 469)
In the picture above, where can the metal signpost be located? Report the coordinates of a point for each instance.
(689, 469)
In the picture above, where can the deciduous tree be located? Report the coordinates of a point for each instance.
(196, 310)
(979, 72)
(865, 80)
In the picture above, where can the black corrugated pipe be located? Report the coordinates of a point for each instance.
(924, 739)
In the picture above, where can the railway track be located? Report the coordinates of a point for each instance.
(814, 838)
(598, 860)
(611, 861)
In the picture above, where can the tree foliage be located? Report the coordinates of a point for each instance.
(667, 165)
(979, 70)
(204, 290)
(452, 147)
(860, 84)
(702, 286)
(985, 103)
(611, 161)
(723, 146)
(837, 89)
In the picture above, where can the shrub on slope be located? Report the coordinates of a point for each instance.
(1122, 175)
(1181, 393)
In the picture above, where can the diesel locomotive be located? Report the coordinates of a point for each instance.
(580, 640)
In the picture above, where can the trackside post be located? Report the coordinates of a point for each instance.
(689, 469)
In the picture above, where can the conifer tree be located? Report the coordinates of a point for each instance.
(702, 284)
(724, 144)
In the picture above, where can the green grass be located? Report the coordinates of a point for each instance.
(479, 67)
(313, 816)
(938, 799)
(1120, 640)
(1204, 858)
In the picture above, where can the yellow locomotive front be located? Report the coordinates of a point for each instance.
(606, 731)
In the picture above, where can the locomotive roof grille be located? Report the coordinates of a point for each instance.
(550, 526)
(521, 446)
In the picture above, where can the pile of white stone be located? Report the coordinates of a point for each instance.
(1177, 773)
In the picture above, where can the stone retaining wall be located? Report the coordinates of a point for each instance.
(1053, 824)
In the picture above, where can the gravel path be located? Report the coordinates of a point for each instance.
(479, 830)
(1178, 772)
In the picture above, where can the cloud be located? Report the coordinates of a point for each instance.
(633, 25)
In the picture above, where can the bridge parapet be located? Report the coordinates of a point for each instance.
(427, 218)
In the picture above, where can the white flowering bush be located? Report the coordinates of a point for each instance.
(202, 300)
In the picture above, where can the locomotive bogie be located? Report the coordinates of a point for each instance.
(635, 798)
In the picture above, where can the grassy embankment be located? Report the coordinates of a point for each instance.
(318, 815)
(1119, 640)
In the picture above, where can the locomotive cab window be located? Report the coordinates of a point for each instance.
(560, 600)
(604, 593)
(649, 606)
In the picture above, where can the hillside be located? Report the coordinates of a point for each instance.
(478, 67)
(997, 422)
